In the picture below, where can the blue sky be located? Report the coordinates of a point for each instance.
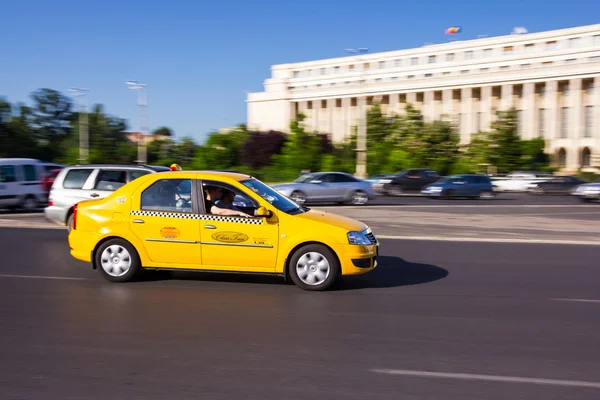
(198, 57)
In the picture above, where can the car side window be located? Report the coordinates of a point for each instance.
(76, 178)
(7, 174)
(341, 178)
(110, 180)
(136, 174)
(30, 173)
(168, 195)
(241, 199)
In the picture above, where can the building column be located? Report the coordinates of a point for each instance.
(466, 105)
(346, 117)
(595, 156)
(330, 123)
(394, 100)
(361, 139)
(447, 105)
(529, 111)
(507, 97)
(575, 131)
(429, 105)
(411, 98)
(551, 101)
(485, 107)
(316, 116)
(303, 109)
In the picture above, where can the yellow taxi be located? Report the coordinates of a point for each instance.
(175, 220)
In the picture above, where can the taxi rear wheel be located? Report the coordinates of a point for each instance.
(314, 267)
(117, 260)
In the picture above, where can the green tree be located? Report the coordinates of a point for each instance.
(506, 149)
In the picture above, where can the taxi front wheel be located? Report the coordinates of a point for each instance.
(117, 260)
(314, 267)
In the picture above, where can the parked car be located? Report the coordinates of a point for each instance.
(587, 192)
(84, 182)
(324, 187)
(467, 185)
(556, 185)
(379, 178)
(406, 181)
(21, 183)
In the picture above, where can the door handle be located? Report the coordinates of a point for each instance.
(138, 221)
(94, 195)
(210, 227)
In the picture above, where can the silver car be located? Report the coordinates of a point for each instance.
(84, 182)
(325, 187)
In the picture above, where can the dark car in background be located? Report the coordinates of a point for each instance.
(406, 181)
(556, 185)
(467, 185)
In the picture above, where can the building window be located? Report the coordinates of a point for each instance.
(432, 59)
(464, 71)
(586, 158)
(394, 78)
(564, 122)
(525, 65)
(529, 48)
(450, 57)
(551, 45)
(366, 66)
(589, 121)
(574, 42)
(381, 64)
(547, 63)
(570, 61)
(508, 50)
(296, 74)
(411, 76)
(565, 89)
(484, 69)
(351, 68)
(398, 63)
(542, 123)
(323, 71)
(428, 75)
(468, 55)
(487, 53)
(414, 61)
(504, 67)
(336, 70)
(478, 123)
(589, 88)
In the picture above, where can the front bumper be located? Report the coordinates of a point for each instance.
(358, 259)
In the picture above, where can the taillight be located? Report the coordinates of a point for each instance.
(50, 203)
(75, 217)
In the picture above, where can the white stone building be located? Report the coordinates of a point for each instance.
(552, 78)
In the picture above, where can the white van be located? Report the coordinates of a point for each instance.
(21, 182)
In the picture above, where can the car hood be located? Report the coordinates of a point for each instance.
(287, 186)
(340, 221)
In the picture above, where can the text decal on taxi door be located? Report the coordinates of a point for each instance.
(230, 237)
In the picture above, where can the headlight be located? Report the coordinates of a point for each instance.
(357, 238)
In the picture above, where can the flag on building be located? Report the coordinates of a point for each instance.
(452, 30)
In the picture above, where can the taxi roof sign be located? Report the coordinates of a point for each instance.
(175, 167)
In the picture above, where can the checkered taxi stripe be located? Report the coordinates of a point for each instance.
(239, 220)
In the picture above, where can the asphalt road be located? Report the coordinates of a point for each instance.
(515, 321)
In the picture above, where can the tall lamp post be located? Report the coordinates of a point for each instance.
(142, 104)
(361, 137)
(83, 123)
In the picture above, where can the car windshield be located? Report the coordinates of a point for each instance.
(306, 178)
(275, 198)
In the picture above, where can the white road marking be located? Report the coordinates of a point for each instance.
(579, 300)
(494, 378)
(20, 224)
(448, 206)
(21, 215)
(66, 278)
(492, 240)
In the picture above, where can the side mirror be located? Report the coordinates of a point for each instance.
(263, 212)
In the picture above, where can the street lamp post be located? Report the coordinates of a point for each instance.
(83, 124)
(142, 104)
(361, 137)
